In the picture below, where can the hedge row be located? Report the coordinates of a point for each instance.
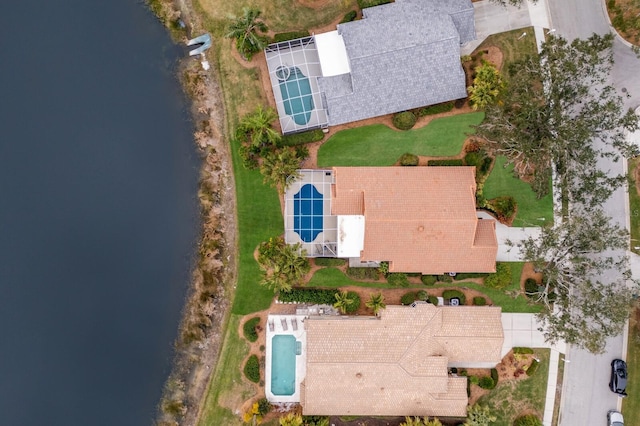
(252, 369)
(349, 16)
(329, 261)
(521, 350)
(291, 35)
(435, 109)
(303, 137)
(533, 367)
(363, 273)
(454, 162)
(398, 280)
(309, 295)
(370, 3)
(467, 276)
(249, 329)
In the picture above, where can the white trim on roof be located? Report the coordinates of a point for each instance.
(333, 54)
(350, 235)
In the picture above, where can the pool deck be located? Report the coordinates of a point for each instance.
(292, 325)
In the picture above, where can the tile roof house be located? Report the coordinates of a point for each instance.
(397, 364)
(419, 219)
(400, 56)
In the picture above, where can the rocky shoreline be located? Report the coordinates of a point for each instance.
(208, 301)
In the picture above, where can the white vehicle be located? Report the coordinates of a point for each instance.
(614, 418)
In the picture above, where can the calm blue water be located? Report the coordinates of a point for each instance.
(283, 364)
(308, 213)
(98, 211)
(297, 96)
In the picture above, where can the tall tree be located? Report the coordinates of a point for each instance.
(256, 127)
(279, 167)
(375, 303)
(585, 289)
(245, 30)
(282, 265)
(559, 112)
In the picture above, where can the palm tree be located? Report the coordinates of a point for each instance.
(283, 265)
(245, 31)
(376, 302)
(257, 125)
(344, 301)
(277, 166)
(291, 420)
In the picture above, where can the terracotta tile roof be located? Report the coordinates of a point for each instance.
(420, 219)
(397, 364)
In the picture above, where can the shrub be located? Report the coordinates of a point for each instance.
(349, 16)
(409, 160)
(527, 420)
(433, 300)
(504, 207)
(370, 3)
(467, 276)
(454, 162)
(329, 261)
(530, 287)
(533, 367)
(446, 278)
(264, 406)
(459, 103)
(486, 382)
(249, 329)
(252, 369)
(398, 280)
(479, 301)
(449, 294)
(291, 35)
(501, 279)
(363, 273)
(308, 295)
(435, 109)
(428, 279)
(408, 298)
(422, 295)
(521, 350)
(474, 379)
(494, 375)
(355, 302)
(383, 269)
(302, 137)
(404, 120)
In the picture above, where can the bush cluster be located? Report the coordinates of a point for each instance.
(308, 295)
(398, 280)
(454, 162)
(435, 109)
(404, 120)
(480, 160)
(302, 137)
(433, 300)
(409, 160)
(446, 278)
(504, 207)
(486, 382)
(291, 35)
(428, 279)
(422, 295)
(468, 276)
(449, 294)
(249, 329)
(363, 273)
(531, 287)
(533, 367)
(408, 298)
(252, 369)
(354, 304)
(349, 16)
(501, 279)
(329, 261)
(479, 301)
(527, 420)
(371, 3)
(264, 406)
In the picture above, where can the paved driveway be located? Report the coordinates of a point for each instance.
(504, 233)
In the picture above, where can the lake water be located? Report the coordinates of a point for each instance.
(98, 211)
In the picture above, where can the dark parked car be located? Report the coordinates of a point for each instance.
(618, 383)
(614, 418)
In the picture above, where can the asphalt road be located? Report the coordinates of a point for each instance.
(586, 396)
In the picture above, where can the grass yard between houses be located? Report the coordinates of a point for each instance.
(631, 404)
(531, 210)
(634, 206)
(378, 145)
(512, 398)
(228, 388)
(512, 46)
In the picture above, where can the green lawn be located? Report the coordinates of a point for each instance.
(512, 46)
(634, 206)
(511, 398)
(531, 210)
(631, 404)
(334, 278)
(227, 386)
(378, 145)
(259, 218)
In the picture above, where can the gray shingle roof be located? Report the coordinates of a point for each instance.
(403, 55)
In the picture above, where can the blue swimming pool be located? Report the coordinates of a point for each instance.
(296, 94)
(307, 213)
(283, 364)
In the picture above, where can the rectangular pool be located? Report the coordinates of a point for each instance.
(283, 364)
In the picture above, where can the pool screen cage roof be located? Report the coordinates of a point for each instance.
(294, 68)
(325, 242)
